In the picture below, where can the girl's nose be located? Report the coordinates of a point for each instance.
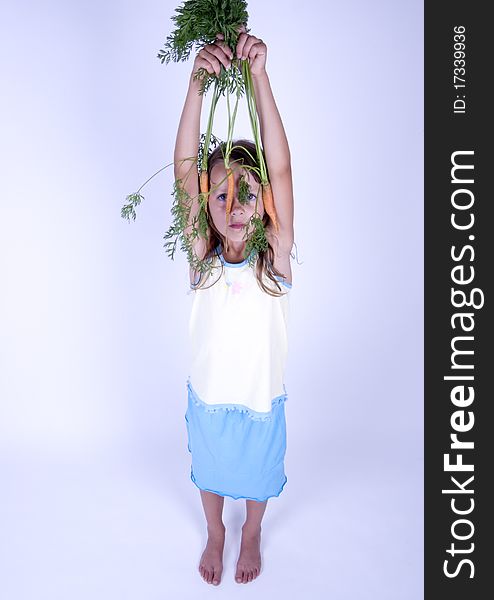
(236, 205)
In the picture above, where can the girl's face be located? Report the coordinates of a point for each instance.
(240, 213)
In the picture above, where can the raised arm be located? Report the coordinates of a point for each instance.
(185, 158)
(188, 134)
(274, 140)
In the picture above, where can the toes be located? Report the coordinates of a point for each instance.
(206, 574)
(245, 576)
(216, 577)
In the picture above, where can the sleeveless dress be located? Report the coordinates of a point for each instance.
(235, 416)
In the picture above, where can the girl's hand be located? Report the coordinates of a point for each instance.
(212, 56)
(254, 50)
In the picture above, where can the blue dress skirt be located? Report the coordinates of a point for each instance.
(235, 451)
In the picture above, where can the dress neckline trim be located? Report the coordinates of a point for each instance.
(219, 250)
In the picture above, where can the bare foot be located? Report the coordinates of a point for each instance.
(249, 560)
(211, 563)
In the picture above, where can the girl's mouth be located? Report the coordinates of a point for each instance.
(237, 226)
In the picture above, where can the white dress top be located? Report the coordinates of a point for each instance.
(238, 337)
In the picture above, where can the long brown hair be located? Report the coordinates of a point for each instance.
(264, 263)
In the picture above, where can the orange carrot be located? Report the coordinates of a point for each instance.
(204, 182)
(268, 201)
(204, 187)
(229, 195)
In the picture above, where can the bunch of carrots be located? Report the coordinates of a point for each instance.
(197, 24)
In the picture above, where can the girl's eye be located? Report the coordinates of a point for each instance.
(222, 197)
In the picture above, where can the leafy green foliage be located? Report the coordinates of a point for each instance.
(213, 142)
(128, 210)
(243, 190)
(181, 232)
(198, 22)
(202, 217)
(180, 212)
(230, 81)
(257, 241)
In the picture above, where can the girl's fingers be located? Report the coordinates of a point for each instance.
(249, 44)
(256, 50)
(221, 51)
(242, 38)
(204, 64)
(225, 48)
(210, 62)
(215, 55)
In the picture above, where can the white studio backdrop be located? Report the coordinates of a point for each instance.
(94, 315)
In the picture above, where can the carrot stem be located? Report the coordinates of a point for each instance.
(228, 150)
(267, 193)
(251, 103)
(207, 141)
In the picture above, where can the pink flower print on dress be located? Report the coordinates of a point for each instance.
(237, 287)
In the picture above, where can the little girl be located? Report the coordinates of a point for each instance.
(235, 417)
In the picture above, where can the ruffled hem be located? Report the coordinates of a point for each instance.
(238, 497)
(253, 414)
